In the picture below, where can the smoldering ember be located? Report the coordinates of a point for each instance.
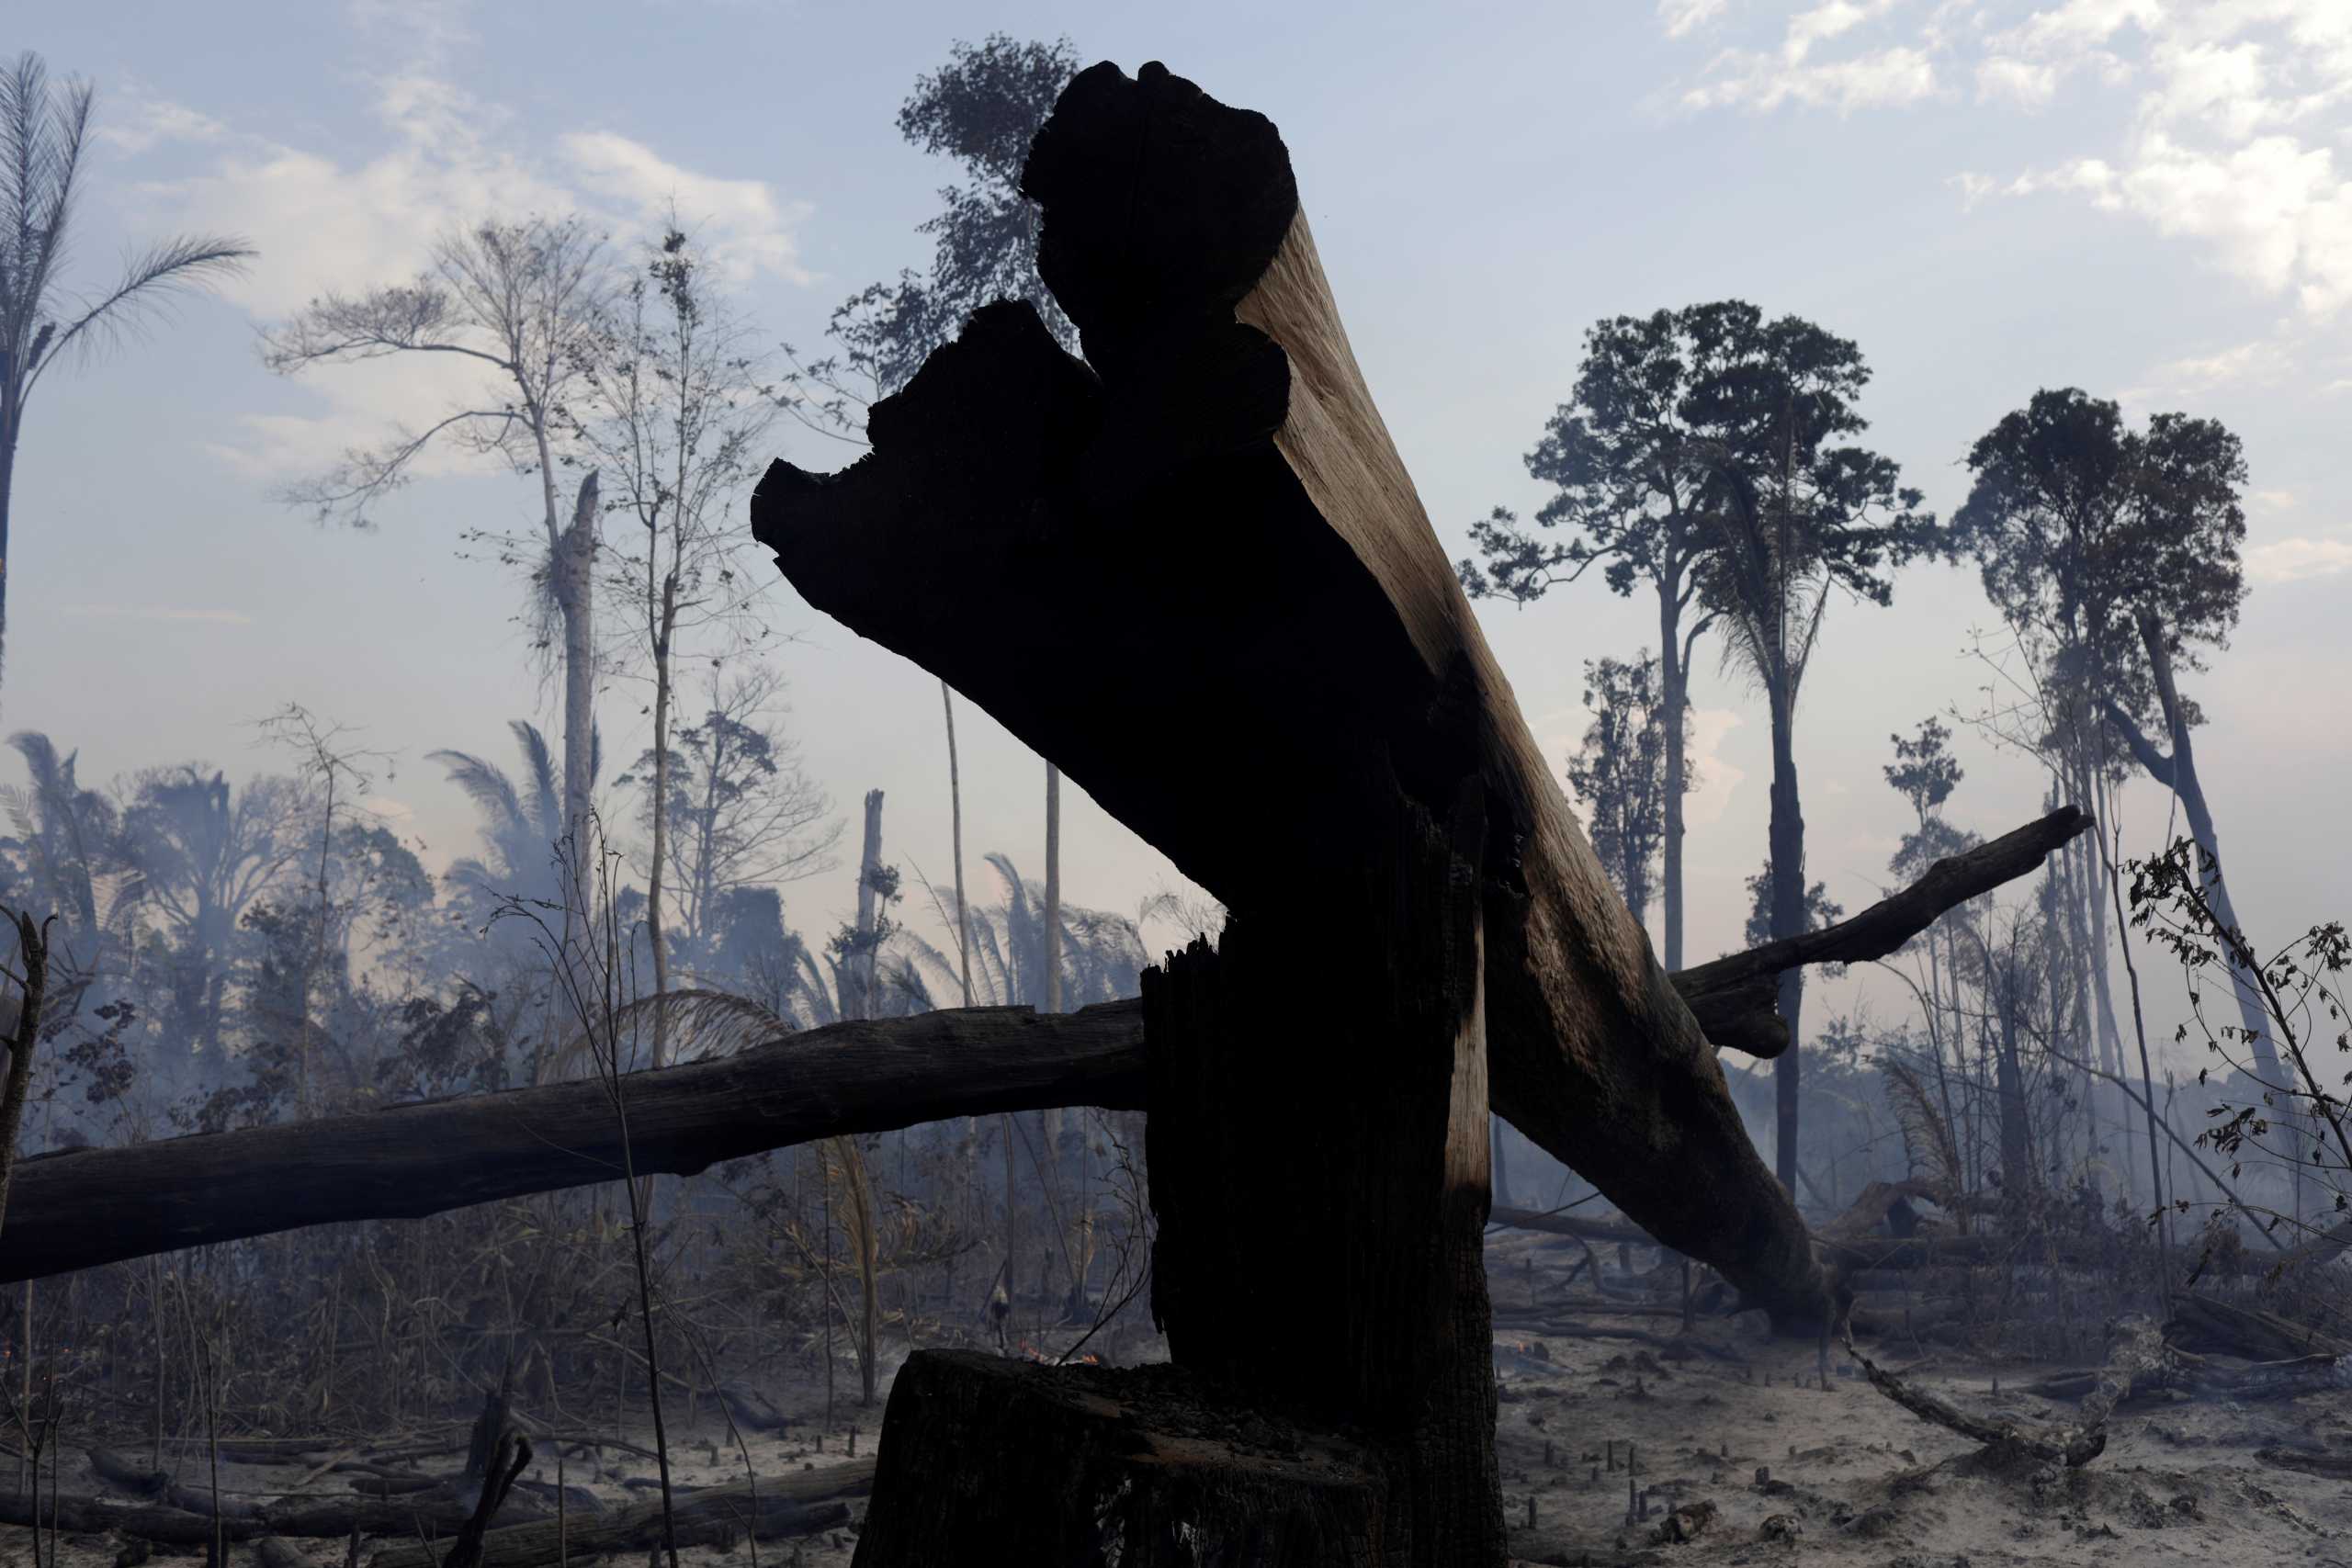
(592, 1143)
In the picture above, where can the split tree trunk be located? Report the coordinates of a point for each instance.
(1216, 478)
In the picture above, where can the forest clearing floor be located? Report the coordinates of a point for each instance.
(1728, 1425)
(1739, 1419)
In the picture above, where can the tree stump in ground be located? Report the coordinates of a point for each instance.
(1319, 1276)
(986, 1459)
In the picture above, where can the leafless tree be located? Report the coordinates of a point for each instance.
(673, 405)
(522, 300)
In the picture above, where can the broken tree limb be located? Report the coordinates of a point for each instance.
(765, 1509)
(85, 1207)
(2136, 1353)
(1733, 997)
(1216, 477)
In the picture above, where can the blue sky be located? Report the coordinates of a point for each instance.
(2148, 198)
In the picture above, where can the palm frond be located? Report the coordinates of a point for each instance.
(546, 815)
(152, 281)
(487, 785)
(700, 1025)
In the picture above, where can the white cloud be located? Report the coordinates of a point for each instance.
(751, 226)
(1825, 21)
(1973, 188)
(2228, 138)
(1887, 79)
(1680, 17)
(2030, 82)
(2298, 560)
(2272, 499)
(148, 123)
(443, 157)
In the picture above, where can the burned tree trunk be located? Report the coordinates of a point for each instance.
(1216, 468)
(84, 1207)
(1214, 476)
(1385, 1184)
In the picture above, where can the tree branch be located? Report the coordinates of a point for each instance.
(2142, 750)
(1734, 997)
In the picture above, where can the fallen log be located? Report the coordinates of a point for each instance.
(84, 1207)
(157, 1522)
(2335, 1467)
(81, 1208)
(2136, 1354)
(2205, 1323)
(769, 1508)
(2195, 1374)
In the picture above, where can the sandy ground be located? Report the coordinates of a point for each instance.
(1794, 1472)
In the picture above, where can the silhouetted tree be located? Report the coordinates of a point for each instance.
(673, 406)
(1630, 478)
(2113, 555)
(43, 129)
(1791, 515)
(1621, 772)
(204, 852)
(741, 813)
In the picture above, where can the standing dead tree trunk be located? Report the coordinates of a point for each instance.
(1227, 414)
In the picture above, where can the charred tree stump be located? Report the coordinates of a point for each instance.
(1382, 1187)
(1215, 472)
(990, 1460)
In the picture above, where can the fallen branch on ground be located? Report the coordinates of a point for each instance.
(791, 1504)
(2137, 1353)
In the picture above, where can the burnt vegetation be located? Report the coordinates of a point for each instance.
(1393, 1200)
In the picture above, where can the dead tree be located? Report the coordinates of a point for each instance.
(1214, 477)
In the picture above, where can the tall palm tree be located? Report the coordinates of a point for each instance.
(523, 828)
(43, 129)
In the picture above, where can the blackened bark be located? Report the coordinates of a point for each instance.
(1384, 1195)
(1221, 419)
